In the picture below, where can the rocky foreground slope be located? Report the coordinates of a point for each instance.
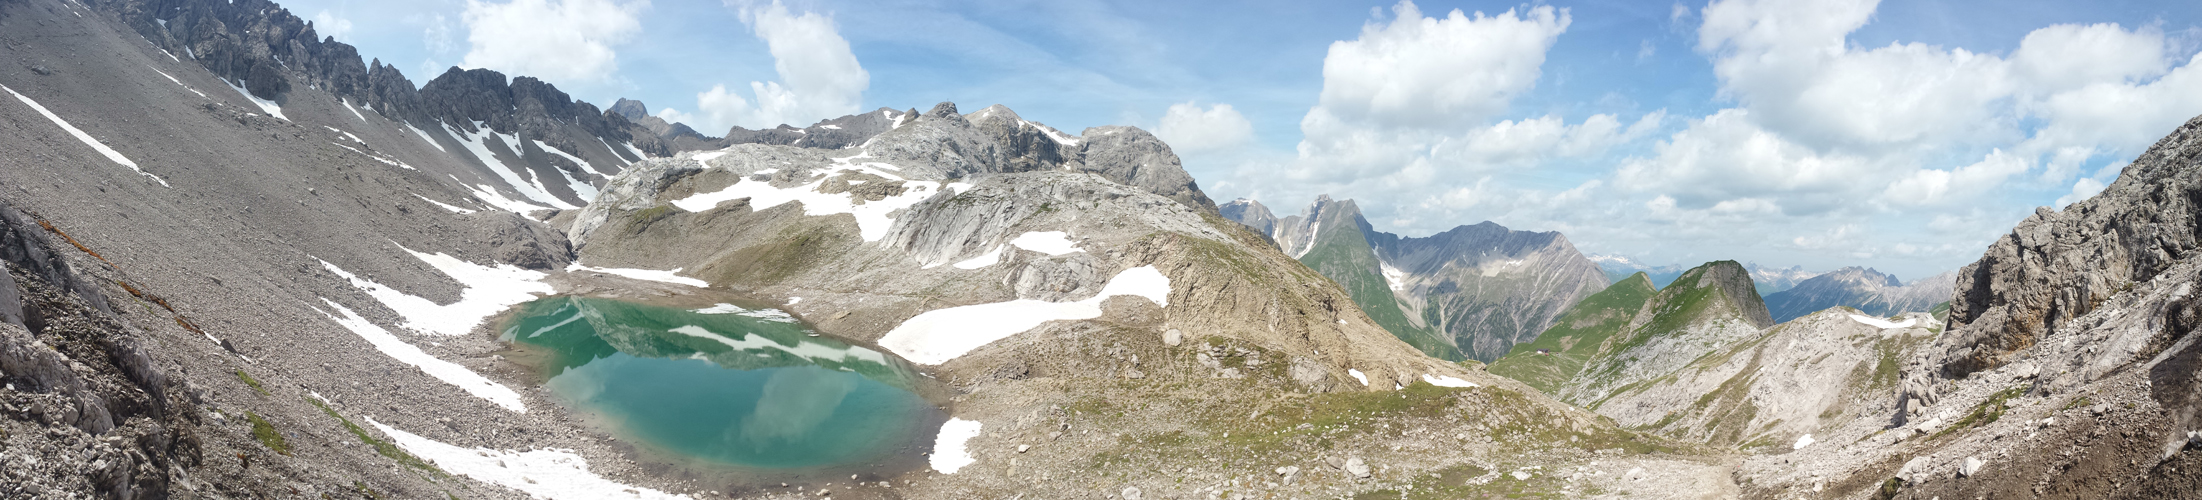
(2066, 371)
(1469, 292)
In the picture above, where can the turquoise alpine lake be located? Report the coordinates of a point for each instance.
(750, 388)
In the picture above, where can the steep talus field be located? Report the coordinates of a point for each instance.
(1864, 289)
(1775, 391)
(1550, 361)
(1473, 291)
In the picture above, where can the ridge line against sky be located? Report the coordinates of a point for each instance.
(1904, 136)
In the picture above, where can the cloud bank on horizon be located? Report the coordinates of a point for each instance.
(1821, 133)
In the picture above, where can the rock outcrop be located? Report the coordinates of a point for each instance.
(2057, 266)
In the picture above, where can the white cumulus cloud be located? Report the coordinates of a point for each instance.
(558, 40)
(329, 25)
(1187, 127)
(819, 76)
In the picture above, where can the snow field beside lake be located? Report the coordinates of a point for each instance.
(941, 335)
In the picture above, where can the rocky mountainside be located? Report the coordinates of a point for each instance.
(1550, 361)
(1472, 291)
(2067, 370)
(1863, 289)
(1707, 309)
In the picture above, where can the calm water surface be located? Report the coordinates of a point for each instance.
(725, 385)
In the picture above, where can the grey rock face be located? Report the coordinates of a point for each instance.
(519, 241)
(1489, 287)
(2056, 266)
(1864, 289)
(1251, 213)
(1136, 158)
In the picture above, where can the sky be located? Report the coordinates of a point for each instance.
(1904, 136)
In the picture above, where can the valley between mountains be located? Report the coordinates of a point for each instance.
(243, 263)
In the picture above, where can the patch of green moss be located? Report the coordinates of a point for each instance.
(1987, 412)
(2076, 403)
(639, 219)
(385, 448)
(255, 384)
(266, 434)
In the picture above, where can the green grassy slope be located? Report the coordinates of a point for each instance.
(1342, 253)
(1577, 336)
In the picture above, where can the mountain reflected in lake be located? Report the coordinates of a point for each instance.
(726, 385)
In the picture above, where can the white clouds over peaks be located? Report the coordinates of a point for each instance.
(819, 76)
(557, 40)
(1188, 128)
(1427, 71)
(1828, 133)
(328, 25)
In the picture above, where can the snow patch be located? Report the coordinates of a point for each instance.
(110, 153)
(272, 109)
(1447, 381)
(346, 134)
(941, 335)
(577, 161)
(1393, 277)
(990, 258)
(1058, 136)
(672, 276)
(774, 315)
(489, 290)
(489, 195)
(949, 454)
(375, 157)
(1357, 375)
(424, 136)
(448, 372)
(532, 188)
(179, 83)
(453, 209)
(1802, 442)
(705, 158)
(1047, 242)
(806, 350)
(355, 111)
(552, 473)
(872, 220)
(1882, 323)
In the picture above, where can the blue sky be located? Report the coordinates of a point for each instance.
(1904, 136)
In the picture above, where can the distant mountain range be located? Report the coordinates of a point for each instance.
(1470, 292)
(1768, 279)
(1864, 289)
